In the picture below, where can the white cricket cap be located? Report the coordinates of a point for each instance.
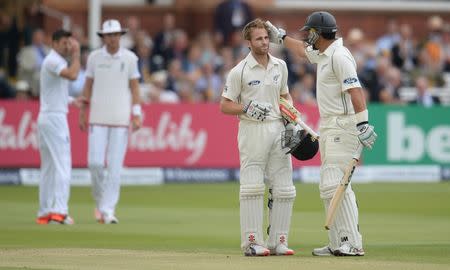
(110, 27)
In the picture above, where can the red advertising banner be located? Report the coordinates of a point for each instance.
(178, 135)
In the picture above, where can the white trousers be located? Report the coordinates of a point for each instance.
(56, 163)
(261, 156)
(338, 142)
(107, 148)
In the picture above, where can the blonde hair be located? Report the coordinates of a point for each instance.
(257, 23)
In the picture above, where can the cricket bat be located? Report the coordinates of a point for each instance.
(292, 115)
(340, 191)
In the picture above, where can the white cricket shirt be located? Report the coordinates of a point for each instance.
(249, 80)
(336, 73)
(54, 95)
(110, 102)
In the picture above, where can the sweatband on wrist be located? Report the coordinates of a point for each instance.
(362, 117)
(136, 110)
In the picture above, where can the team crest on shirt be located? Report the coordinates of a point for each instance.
(275, 78)
(254, 82)
(350, 80)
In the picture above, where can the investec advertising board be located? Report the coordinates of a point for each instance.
(183, 140)
(410, 135)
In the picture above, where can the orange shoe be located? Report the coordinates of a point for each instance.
(43, 220)
(56, 218)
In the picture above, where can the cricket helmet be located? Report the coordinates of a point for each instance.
(299, 143)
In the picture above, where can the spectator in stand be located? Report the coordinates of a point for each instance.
(128, 39)
(34, 20)
(375, 79)
(390, 93)
(304, 91)
(424, 96)
(6, 90)
(446, 43)
(30, 60)
(158, 92)
(186, 92)
(385, 43)
(428, 67)
(434, 43)
(209, 86)
(142, 51)
(404, 54)
(9, 43)
(179, 47)
(163, 42)
(230, 16)
(23, 90)
(176, 75)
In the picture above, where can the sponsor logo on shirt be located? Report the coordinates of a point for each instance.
(254, 83)
(350, 80)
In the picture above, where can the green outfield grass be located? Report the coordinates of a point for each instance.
(196, 226)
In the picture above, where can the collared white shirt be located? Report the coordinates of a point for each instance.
(54, 88)
(336, 73)
(111, 95)
(249, 80)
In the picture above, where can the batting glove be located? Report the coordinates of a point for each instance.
(367, 135)
(276, 35)
(257, 110)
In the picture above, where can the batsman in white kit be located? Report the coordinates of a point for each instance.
(344, 122)
(252, 92)
(53, 130)
(112, 92)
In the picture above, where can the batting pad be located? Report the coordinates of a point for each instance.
(251, 214)
(280, 217)
(330, 177)
(346, 220)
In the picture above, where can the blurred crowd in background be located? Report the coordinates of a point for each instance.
(396, 68)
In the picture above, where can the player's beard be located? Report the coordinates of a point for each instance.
(262, 50)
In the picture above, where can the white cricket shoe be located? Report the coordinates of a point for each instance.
(347, 250)
(281, 250)
(323, 251)
(109, 219)
(256, 250)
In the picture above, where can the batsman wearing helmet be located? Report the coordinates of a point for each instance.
(252, 92)
(112, 89)
(344, 122)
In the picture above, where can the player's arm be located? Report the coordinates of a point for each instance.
(227, 106)
(136, 110)
(86, 95)
(358, 99)
(71, 72)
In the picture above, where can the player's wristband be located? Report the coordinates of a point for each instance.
(362, 118)
(136, 110)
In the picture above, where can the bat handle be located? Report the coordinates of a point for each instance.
(307, 128)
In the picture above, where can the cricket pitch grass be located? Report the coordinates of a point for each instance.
(196, 226)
